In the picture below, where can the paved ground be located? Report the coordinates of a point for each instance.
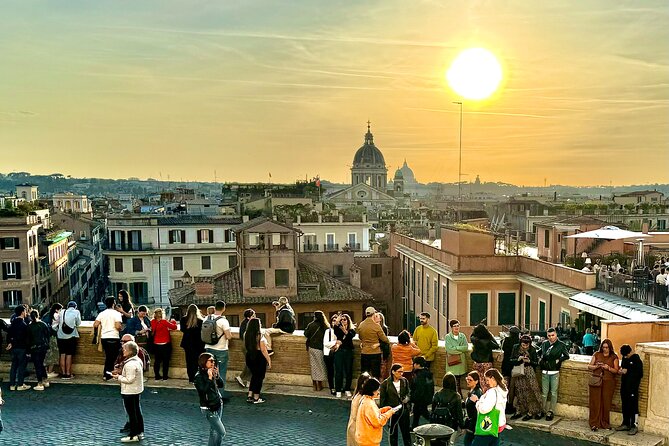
(83, 415)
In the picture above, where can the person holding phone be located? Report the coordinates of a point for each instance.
(395, 392)
(208, 383)
(370, 419)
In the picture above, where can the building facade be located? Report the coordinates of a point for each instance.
(19, 257)
(333, 233)
(69, 202)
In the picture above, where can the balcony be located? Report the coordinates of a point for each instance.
(331, 247)
(130, 247)
(637, 287)
(310, 247)
(352, 247)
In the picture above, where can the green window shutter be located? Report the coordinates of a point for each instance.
(542, 316)
(506, 309)
(478, 307)
(528, 309)
(211, 236)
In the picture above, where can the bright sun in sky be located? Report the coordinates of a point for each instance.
(475, 74)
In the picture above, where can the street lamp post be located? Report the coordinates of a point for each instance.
(460, 165)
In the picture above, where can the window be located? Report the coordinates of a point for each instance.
(506, 309)
(262, 318)
(118, 265)
(330, 241)
(178, 283)
(547, 240)
(205, 236)
(135, 240)
(232, 261)
(11, 270)
(228, 236)
(139, 291)
(177, 263)
(206, 262)
(137, 266)
(257, 278)
(377, 270)
(478, 307)
(303, 319)
(427, 288)
(9, 243)
(177, 236)
(338, 270)
(565, 318)
(542, 315)
(281, 278)
(436, 295)
(352, 242)
(12, 298)
(117, 240)
(528, 307)
(233, 319)
(444, 299)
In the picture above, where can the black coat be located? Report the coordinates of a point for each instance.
(629, 383)
(451, 401)
(517, 359)
(482, 349)
(17, 334)
(507, 347)
(422, 387)
(191, 339)
(207, 390)
(38, 336)
(389, 395)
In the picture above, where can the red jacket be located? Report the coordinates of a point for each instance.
(161, 330)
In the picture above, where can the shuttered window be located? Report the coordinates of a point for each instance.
(506, 309)
(478, 307)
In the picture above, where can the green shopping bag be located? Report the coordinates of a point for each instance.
(488, 423)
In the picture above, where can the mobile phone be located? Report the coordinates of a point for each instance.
(397, 408)
(108, 373)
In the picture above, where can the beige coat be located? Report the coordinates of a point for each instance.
(370, 333)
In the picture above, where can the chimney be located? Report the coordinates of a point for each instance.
(204, 288)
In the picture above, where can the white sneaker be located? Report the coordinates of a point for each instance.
(52, 375)
(38, 387)
(141, 436)
(338, 395)
(46, 384)
(134, 439)
(348, 394)
(23, 387)
(240, 381)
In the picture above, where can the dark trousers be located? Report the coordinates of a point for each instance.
(111, 348)
(38, 359)
(258, 366)
(399, 424)
(161, 356)
(17, 371)
(192, 356)
(329, 367)
(343, 363)
(418, 410)
(371, 364)
(589, 350)
(485, 440)
(134, 411)
(630, 402)
(469, 438)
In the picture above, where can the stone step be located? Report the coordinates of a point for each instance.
(580, 430)
(640, 439)
(541, 424)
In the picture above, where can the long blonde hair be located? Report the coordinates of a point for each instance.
(158, 311)
(192, 316)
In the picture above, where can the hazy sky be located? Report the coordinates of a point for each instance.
(186, 88)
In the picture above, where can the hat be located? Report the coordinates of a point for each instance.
(71, 304)
(369, 311)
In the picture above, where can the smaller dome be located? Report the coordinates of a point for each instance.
(399, 175)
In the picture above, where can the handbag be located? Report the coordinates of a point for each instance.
(595, 380)
(453, 359)
(66, 328)
(518, 370)
(487, 424)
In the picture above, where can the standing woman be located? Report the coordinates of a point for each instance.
(370, 420)
(51, 320)
(491, 420)
(125, 307)
(345, 331)
(386, 360)
(330, 346)
(483, 343)
(394, 392)
(529, 401)
(404, 352)
(207, 382)
(355, 405)
(132, 386)
(314, 334)
(473, 381)
(257, 359)
(604, 364)
(456, 346)
(191, 341)
(162, 343)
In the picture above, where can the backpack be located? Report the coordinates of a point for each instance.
(209, 333)
(145, 358)
(442, 415)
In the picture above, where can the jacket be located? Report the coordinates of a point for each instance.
(389, 395)
(72, 317)
(132, 376)
(207, 389)
(422, 387)
(629, 383)
(370, 421)
(553, 355)
(494, 397)
(134, 325)
(470, 408)
(404, 354)
(456, 346)
(370, 333)
(427, 340)
(482, 349)
(507, 347)
(285, 320)
(17, 333)
(161, 330)
(314, 334)
(38, 336)
(517, 359)
(329, 341)
(191, 339)
(453, 403)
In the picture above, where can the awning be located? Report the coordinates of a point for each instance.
(611, 306)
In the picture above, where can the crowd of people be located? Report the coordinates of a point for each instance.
(399, 375)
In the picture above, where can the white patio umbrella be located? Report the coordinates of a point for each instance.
(609, 233)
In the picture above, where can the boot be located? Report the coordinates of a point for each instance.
(313, 383)
(319, 386)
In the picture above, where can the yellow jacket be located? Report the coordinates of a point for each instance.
(370, 421)
(427, 341)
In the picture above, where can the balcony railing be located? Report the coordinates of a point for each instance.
(310, 247)
(131, 247)
(636, 287)
(352, 247)
(331, 247)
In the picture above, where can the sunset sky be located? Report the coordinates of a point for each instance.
(184, 88)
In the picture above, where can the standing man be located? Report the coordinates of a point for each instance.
(371, 335)
(553, 353)
(17, 344)
(422, 390)
(219, 349)
(426, 338)
(110, 323)
(631, 369)
(244, 377)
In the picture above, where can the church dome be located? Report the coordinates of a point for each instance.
(407, 173)
(399, 175)
(369, 155)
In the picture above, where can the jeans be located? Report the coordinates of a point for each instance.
(134, 411)
(216, 428)
(111, 348)
(221, 357)
(469, 438)
(371, 364)
(485, 440)
(343, 363)
(162, 353)
(550, 383)
(18, 369)
(38, 359)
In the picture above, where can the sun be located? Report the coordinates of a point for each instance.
(475, 74)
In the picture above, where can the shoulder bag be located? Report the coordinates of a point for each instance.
(453, 359)
(595, 380)
(66, 328)
(518, 370)
(487, 424)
